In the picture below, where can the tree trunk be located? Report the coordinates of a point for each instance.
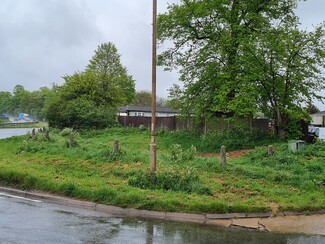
(280, 130)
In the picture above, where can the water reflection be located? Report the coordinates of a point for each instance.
(157, 231)
(5, 133)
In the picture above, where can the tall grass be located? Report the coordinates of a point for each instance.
(234, 139)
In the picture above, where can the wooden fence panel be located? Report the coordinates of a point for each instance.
(176, 123)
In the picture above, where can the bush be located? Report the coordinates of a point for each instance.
(79, 113)
(178, 155)
(187, 182)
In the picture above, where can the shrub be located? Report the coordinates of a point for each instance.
(178, 155)
(187, 182)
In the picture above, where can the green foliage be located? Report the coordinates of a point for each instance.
(232, 138)
(66, 132)
(79, 113)
(144, 98)
(6, 105)
(172, 179)
(107, 155)
(89, 99)
(68, 189)
(179, 155)
(299, 169)
(114, 82)
(18, 179)
(242, 56)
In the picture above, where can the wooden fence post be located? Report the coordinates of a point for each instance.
(71, 141)
(223, 156)
(270, 150)
(116, 147)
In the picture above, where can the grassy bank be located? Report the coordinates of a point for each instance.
(185, 182)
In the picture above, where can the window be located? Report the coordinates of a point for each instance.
(139, 114)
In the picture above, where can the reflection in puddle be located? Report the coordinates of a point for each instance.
(49, 223)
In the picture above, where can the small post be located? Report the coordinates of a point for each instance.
(223, 156)
(33, 133)
(116, 147)
(71, 141)
(270, 150)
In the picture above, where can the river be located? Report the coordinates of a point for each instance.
(5, 133)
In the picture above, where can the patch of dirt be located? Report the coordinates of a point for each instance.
(233, 154)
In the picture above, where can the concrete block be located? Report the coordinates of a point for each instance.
(82, 204)
(226, 216)
(146, 214)
(252, 223)
(259, 215)
(220, 222)
(198, 218)
(111, 210)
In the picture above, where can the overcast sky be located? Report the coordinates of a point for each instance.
(43, 40)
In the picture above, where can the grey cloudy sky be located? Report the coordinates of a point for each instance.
(43, 40)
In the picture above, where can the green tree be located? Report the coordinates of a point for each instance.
(216, 45)
(284, 64)
(144, 98)
(112, 76)
(6, 105)
(312, 109)
(90, 98)
(20, 99)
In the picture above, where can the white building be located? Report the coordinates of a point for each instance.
(143, 111)
(318, 119)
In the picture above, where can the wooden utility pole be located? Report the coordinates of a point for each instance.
(153, 146)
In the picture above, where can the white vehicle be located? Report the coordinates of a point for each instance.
(317, 131)
(321, 133)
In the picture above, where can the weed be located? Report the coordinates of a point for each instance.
(179, 155)
(170, 180)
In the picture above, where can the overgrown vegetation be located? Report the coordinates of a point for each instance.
(185, 182)
(234, 139)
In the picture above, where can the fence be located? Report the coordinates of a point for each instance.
(178, 123)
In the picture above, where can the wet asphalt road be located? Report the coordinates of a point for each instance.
(25, 221)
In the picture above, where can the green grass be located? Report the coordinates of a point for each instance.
(91, 171)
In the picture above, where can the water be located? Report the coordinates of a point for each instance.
(31, 222)
(5, 133)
